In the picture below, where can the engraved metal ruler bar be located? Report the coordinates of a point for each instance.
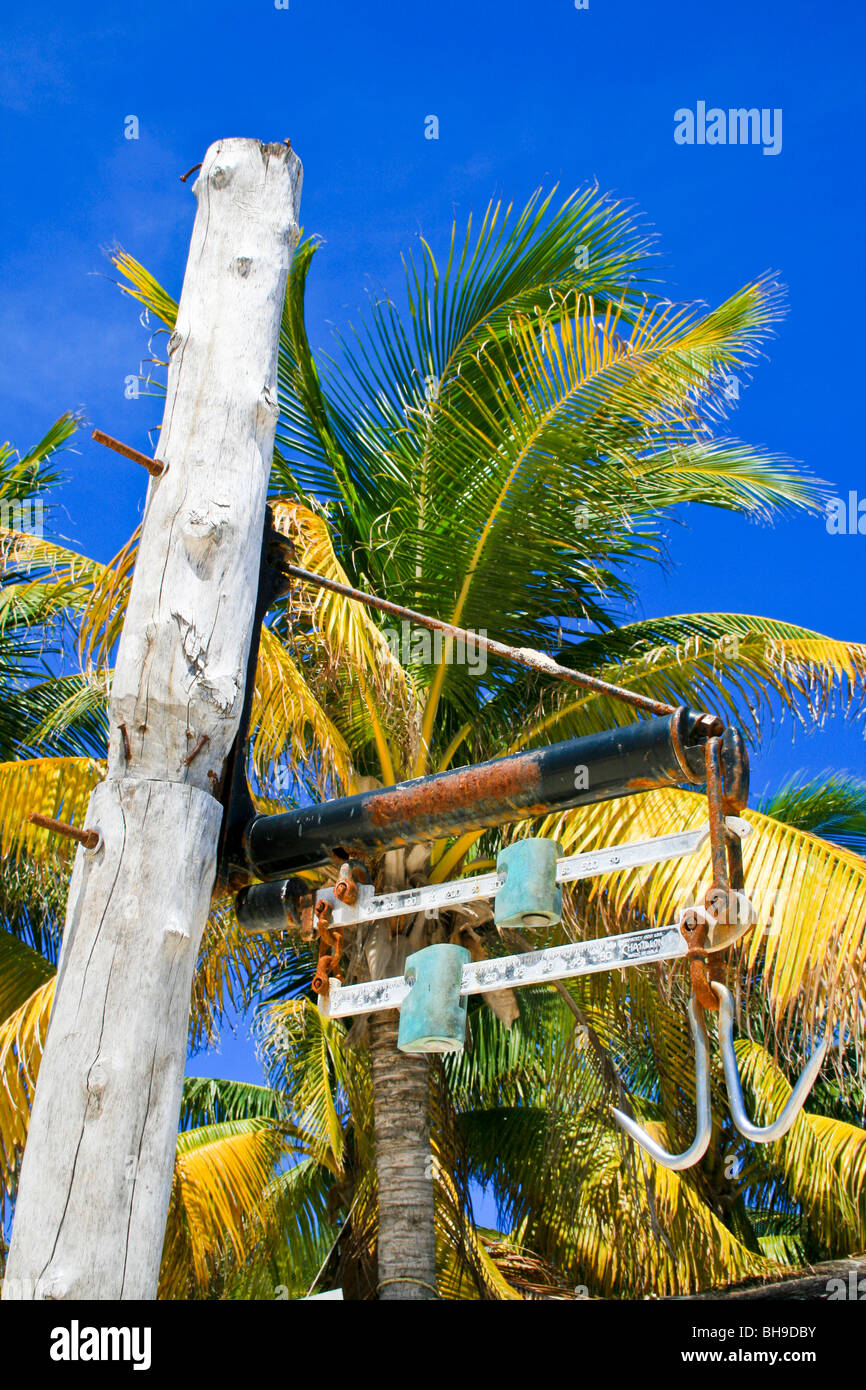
(533, 967)
(639, 852)
(433, 896)
(429, 897)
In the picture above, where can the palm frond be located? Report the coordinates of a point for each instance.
(23, 477)
(830, 804)
(230, 967)
(139, 284)
(347, 626)
(823, 1159)
(22, 1038)
(289, 723)
(222, 1175)
(22, 971)
(740, 666)
(105, 609)
(56, 787)
(305, 1058)
(68, 716)
(210, 1100)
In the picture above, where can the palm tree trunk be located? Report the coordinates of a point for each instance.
(401, 1098)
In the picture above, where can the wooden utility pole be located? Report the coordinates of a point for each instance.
(97, 1171)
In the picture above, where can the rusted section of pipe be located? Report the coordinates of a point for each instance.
(527, 657)
(618, 762)
(488, 788)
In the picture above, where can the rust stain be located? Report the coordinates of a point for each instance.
(473, 791)
(644, 784)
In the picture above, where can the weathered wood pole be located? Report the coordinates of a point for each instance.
(96, 1177)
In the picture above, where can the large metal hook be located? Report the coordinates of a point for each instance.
(698, 1148)
(756, 1133)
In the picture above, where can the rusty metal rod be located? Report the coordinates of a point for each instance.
(88, 838)
(521, 656)
(713, 755)
(639, 757)
(155, 467)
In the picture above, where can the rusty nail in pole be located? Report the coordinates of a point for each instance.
(190, 757)
(88, 838)
(125, 737)
(155, 467)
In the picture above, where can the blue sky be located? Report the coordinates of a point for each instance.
(527, 93)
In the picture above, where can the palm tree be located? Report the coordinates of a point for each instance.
(500, 458)
(28, 641)
(31, 692)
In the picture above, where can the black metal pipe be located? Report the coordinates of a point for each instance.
(275, 906)
(650, 754)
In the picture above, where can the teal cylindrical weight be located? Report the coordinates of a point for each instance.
(433, 1015)
(530, 896)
